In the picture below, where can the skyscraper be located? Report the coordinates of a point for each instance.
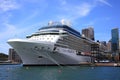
(119, 45)
(115, 40)
(88, 32)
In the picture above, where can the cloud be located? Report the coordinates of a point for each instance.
(10, 32)
(105, 2)
(75, 11)
(5, 35)
(63, 2)
(79, 10)
(83, 10)
(4, 48)
(7, 5)
(10, 29)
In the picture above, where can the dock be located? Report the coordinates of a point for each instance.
(102, 64)
(108, 64)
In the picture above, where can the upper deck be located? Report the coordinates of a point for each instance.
(56, 28)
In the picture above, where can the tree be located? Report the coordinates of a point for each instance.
(3, 57)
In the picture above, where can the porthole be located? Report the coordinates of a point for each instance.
(40, 57)
(48, 48)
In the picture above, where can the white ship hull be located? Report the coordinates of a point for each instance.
(43, 53)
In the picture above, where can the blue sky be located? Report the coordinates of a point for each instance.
(19, 18)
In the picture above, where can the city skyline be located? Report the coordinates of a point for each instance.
(20, 18)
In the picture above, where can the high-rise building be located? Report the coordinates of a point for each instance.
(89, 33)
(109, 46)
(115, 40)
(104, 43)
(119, 45)
(13, 56)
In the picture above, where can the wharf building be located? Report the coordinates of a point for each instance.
(109, 46)
(88, 32)
(13, 56)
(100, 46)
(97, 51)
(104, 43)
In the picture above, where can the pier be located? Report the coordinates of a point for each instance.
(108, 64)
(102, 64)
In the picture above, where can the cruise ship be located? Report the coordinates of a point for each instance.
(55, 44)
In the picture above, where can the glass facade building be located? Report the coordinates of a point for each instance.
(119, 45)
(115, 40)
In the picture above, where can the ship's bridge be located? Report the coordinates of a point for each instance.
(60, 28)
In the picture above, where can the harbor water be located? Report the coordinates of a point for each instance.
(18, 72)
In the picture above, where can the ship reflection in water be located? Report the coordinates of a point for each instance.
(18, 72)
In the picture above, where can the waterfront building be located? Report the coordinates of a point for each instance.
(119, 45)
(104, 43)
(115, 40)
(13, 56)
(98, 49)
(95, 49)
(89, 33)
(109, 46)
(103, 48)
